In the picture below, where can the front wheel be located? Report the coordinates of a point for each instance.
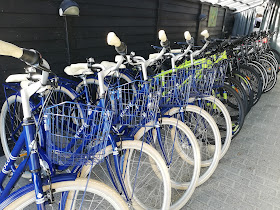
(97, 196)
(179, 148)
(230, 98)
(146, 177)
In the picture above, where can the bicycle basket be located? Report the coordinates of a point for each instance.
(76, 133)
(135, 103)
(175, 85)
(205, 75)
(221, 63)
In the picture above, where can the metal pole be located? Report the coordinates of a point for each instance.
(67, 42)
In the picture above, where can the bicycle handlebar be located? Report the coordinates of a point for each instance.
(9, 49)
(113, 40)
(205, 34)
(162, 36)
(29, 56)
(187, 35)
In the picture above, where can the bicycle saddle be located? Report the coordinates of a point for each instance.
(23, 77)
(77, 69)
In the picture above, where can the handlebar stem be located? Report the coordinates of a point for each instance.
(26, 93)
(141, 61)
(105, 72)
(153, 60)
(172, 59)
(197, 52)
(183, 54)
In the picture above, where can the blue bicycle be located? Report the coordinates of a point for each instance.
(76, 136)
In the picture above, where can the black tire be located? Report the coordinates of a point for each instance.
(246, 85)
(277, 56)
(236, 85)
(272, 74)
(262, 72)
(255, 81)
(230, 98)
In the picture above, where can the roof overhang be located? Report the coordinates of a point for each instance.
(237, 5)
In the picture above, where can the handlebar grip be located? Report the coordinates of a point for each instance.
(162, 36)
(205, 34)
(9, 49)
(122, 49)
(113, 40)
(27, 55)
(187, 35)
(31, 56)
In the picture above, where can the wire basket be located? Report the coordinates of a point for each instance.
(204, 77)
(176, 85)
(135, 103)
(76, 133)
(221, 63)
(221, 73)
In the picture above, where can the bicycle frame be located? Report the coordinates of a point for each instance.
(31, 148)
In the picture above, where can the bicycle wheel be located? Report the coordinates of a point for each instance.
(234, 105)
(220, 114)
(97, 196)
(205, 130)
(11, 123)
(236, 85)
(255, 81)
(146, 177)
(277, 57)
(262, 72)
(181, 154)
(207, 134)
(93, 90)
(271, 59)
(271, 72)
(246, 85)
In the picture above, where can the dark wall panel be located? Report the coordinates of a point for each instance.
(133, 21)
(178, 16)
(223, 26)
(36, 24)
(32, 24)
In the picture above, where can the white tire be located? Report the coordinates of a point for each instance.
(103, 192)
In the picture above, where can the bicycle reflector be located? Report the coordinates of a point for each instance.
(264, 40)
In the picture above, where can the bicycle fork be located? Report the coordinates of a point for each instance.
(31, 143)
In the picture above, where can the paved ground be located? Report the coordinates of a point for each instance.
(248, 177)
